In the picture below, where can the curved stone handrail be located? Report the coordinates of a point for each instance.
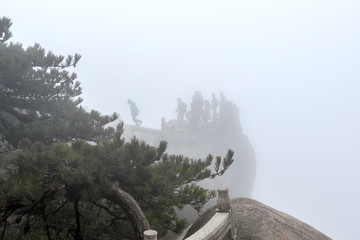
(218, 226)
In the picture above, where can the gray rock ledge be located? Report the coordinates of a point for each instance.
(254, 220)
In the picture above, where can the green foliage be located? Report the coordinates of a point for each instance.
(39, 97)
(49, 180)
(5, 32)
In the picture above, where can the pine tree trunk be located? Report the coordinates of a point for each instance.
(131, 209)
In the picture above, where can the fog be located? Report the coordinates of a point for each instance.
(292, 68)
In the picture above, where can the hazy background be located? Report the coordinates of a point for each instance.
(291, 66)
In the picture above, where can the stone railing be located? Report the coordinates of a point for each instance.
(150, 235)
(216, 228)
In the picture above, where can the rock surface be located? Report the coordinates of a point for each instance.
(256, 221)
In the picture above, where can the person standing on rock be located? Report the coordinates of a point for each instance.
(163, 124)
(214, 105)
(206, 113)
(181, 110)
(196, 107)
(134, 112)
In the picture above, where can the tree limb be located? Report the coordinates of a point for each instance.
(130, 207)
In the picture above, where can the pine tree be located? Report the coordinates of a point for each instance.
(39, 97)
(61, 187)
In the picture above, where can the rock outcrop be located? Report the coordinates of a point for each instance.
(254, 220)
(214, 137)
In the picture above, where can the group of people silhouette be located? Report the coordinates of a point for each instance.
(200, 109)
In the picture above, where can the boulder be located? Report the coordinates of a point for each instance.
(254, 220)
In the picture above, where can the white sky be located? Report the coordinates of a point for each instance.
(291, 66)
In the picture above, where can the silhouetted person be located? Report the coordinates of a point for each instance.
(134, 112)
(196, 107)
(222, 105)
(181, 110)
(214, 105)
(163, 124)
(206, 113)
